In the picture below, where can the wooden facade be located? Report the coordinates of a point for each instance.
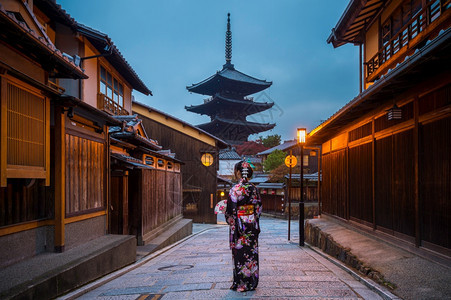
(393, 174)
(146, 182)
(51, 146)
(190, 143)
(55, 146)
(159, 200)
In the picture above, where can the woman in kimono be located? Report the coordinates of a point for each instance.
(242, 214)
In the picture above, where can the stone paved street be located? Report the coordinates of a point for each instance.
(201, 268)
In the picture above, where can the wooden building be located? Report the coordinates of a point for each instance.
(150, 198)
(63, 87)
(146, 182)
(387, 153)
(49, 177)
(229, 104)
(199, 152)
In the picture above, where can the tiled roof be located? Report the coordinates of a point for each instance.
(45, 47)
(100, 40)
(128, 131)
(259, 178)
(231, 77)
(271, 185)
(184, 123)
(229, 154)
(286, 145)
(134, 162)
(312, 177)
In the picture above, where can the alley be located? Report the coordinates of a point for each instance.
(200, 268)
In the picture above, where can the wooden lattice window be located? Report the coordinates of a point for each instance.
(111, 87)
(25, 132)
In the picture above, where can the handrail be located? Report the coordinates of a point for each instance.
(431, 12)
(108, 105)
(56, 87)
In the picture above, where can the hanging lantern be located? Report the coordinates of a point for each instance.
(394, 113)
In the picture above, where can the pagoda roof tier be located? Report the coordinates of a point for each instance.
(218, 125)
(231, 80)
(220, 103)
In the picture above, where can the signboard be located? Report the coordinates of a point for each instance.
(291, 161)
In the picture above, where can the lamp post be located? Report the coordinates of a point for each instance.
(302, 133)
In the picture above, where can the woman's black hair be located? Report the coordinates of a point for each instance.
(244, 168)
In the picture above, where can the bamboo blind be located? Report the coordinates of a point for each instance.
(26, 127)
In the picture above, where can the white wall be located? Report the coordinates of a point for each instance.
(226, 167)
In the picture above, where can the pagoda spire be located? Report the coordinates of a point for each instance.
(228, 44)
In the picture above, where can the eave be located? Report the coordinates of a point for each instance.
(100, 40)
(433, 58)
(229, 79)
(245, 126)
(354, 21)
(16, 34)
(219, 103)
(220, 143)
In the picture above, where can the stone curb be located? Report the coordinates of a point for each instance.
(384, 293)
(324, 241)
(93, 285)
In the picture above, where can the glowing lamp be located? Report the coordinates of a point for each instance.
(207, 159)
(222, 193)
(302, 133)
(394, 113)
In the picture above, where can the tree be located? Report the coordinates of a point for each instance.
(278, 174)
(250, 148)
(275, 159)
(271, 140)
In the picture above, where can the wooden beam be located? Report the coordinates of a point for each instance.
(60, 179)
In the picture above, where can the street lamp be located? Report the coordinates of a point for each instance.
(302, 133)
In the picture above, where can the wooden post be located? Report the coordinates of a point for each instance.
(47, 142)
(319, 182)
(373, 172)
(416, 155)
(60, 176)
(360, 68)
(348, 200)
(4, 132)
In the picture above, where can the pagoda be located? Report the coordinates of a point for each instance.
(228, 104)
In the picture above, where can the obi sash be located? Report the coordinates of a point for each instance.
(245, 210)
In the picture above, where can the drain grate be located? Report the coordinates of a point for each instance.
(176, 268)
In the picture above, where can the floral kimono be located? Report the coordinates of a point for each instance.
(242, 214)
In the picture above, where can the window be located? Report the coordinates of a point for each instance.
(149, 160)
(111, 87)
(25, 137)
(400, 17)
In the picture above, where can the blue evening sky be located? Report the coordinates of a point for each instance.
(174, 43)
